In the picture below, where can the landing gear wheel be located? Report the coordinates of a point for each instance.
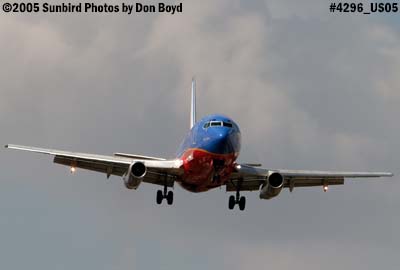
(232, 202)
(242, 203)
(160, 196)
(170, 197)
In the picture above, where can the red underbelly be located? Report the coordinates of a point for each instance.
(204, 170)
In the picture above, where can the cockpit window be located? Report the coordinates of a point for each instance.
(217, 124)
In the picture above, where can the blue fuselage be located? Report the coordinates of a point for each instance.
(209, 152)
(213, 138)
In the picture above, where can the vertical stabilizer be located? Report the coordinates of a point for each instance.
(193, 104)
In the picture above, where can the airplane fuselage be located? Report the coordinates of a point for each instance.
(209, 152)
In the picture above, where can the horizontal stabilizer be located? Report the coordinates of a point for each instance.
(137, 156)
(252, 164)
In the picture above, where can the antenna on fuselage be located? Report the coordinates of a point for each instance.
(193, 104)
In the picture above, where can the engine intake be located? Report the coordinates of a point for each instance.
(272, 186)
(134, 175)
(138, 169)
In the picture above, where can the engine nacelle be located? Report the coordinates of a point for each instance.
(134, 175)
(272, 186)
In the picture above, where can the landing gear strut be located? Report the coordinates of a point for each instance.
(240, 200)
(169, 195)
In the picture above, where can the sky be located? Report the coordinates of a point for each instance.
(309, 89)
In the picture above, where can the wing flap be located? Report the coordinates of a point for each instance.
(246, 185)
(312, 182)
(249, 184)
(102, 167)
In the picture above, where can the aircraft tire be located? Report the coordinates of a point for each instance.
(160, 197)
(170, 197)
(242, 203)
(231, 202)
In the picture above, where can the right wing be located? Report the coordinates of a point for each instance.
(252, 178)
(159, 171)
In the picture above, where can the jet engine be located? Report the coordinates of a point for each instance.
(272, 186)
(134, 175)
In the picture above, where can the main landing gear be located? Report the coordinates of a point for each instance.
(240, 200)
(165, 195)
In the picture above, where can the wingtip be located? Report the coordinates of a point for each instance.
(6, 146)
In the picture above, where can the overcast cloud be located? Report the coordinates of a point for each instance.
(309, 89)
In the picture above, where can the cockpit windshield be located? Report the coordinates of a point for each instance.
(217, 124)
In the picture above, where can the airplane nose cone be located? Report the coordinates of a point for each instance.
(221, 141)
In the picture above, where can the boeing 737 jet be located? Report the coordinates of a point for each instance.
(206, 159)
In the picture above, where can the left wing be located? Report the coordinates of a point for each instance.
(159, 171)
(251, 178)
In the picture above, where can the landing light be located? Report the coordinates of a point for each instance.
(73, 169)
(325, 188)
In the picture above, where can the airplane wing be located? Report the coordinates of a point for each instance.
(159, 171)
(251, 178)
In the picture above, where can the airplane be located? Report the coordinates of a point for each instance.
(206, 159)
